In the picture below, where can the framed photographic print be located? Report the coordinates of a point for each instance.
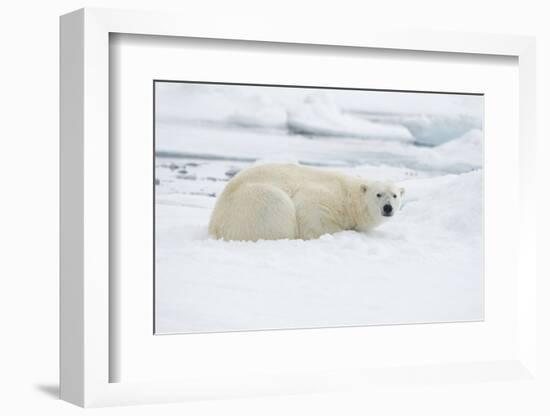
(255, 212)
(280, 207)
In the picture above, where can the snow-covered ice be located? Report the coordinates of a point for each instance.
(424, 265)
(320, 116)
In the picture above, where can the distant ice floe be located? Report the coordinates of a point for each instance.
(320, 127)
(319, 116)
(321, 113)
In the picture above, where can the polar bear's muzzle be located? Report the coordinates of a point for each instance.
(387, 210)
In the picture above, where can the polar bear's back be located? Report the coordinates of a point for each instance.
(288, 177)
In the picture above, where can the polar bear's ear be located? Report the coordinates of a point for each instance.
(402, 191)
(363, 188)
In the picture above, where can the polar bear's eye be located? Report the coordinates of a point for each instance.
(378, 195)
(395, 196)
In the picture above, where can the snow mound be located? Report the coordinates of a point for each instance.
(467, 149)
(319, 116)
(452, 203)
(435, 129)
(259, 112)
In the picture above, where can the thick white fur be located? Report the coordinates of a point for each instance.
(286, 201)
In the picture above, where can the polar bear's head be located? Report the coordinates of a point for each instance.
(382, 199)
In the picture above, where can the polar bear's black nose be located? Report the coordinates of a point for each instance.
(387, 209)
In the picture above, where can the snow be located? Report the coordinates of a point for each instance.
(424, 265)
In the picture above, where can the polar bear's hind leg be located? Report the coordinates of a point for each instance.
(254, 212)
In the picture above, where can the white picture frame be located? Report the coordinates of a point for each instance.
(85, 355)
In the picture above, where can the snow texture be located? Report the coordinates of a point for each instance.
(424, 265)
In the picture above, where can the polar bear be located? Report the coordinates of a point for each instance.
(289, 201)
